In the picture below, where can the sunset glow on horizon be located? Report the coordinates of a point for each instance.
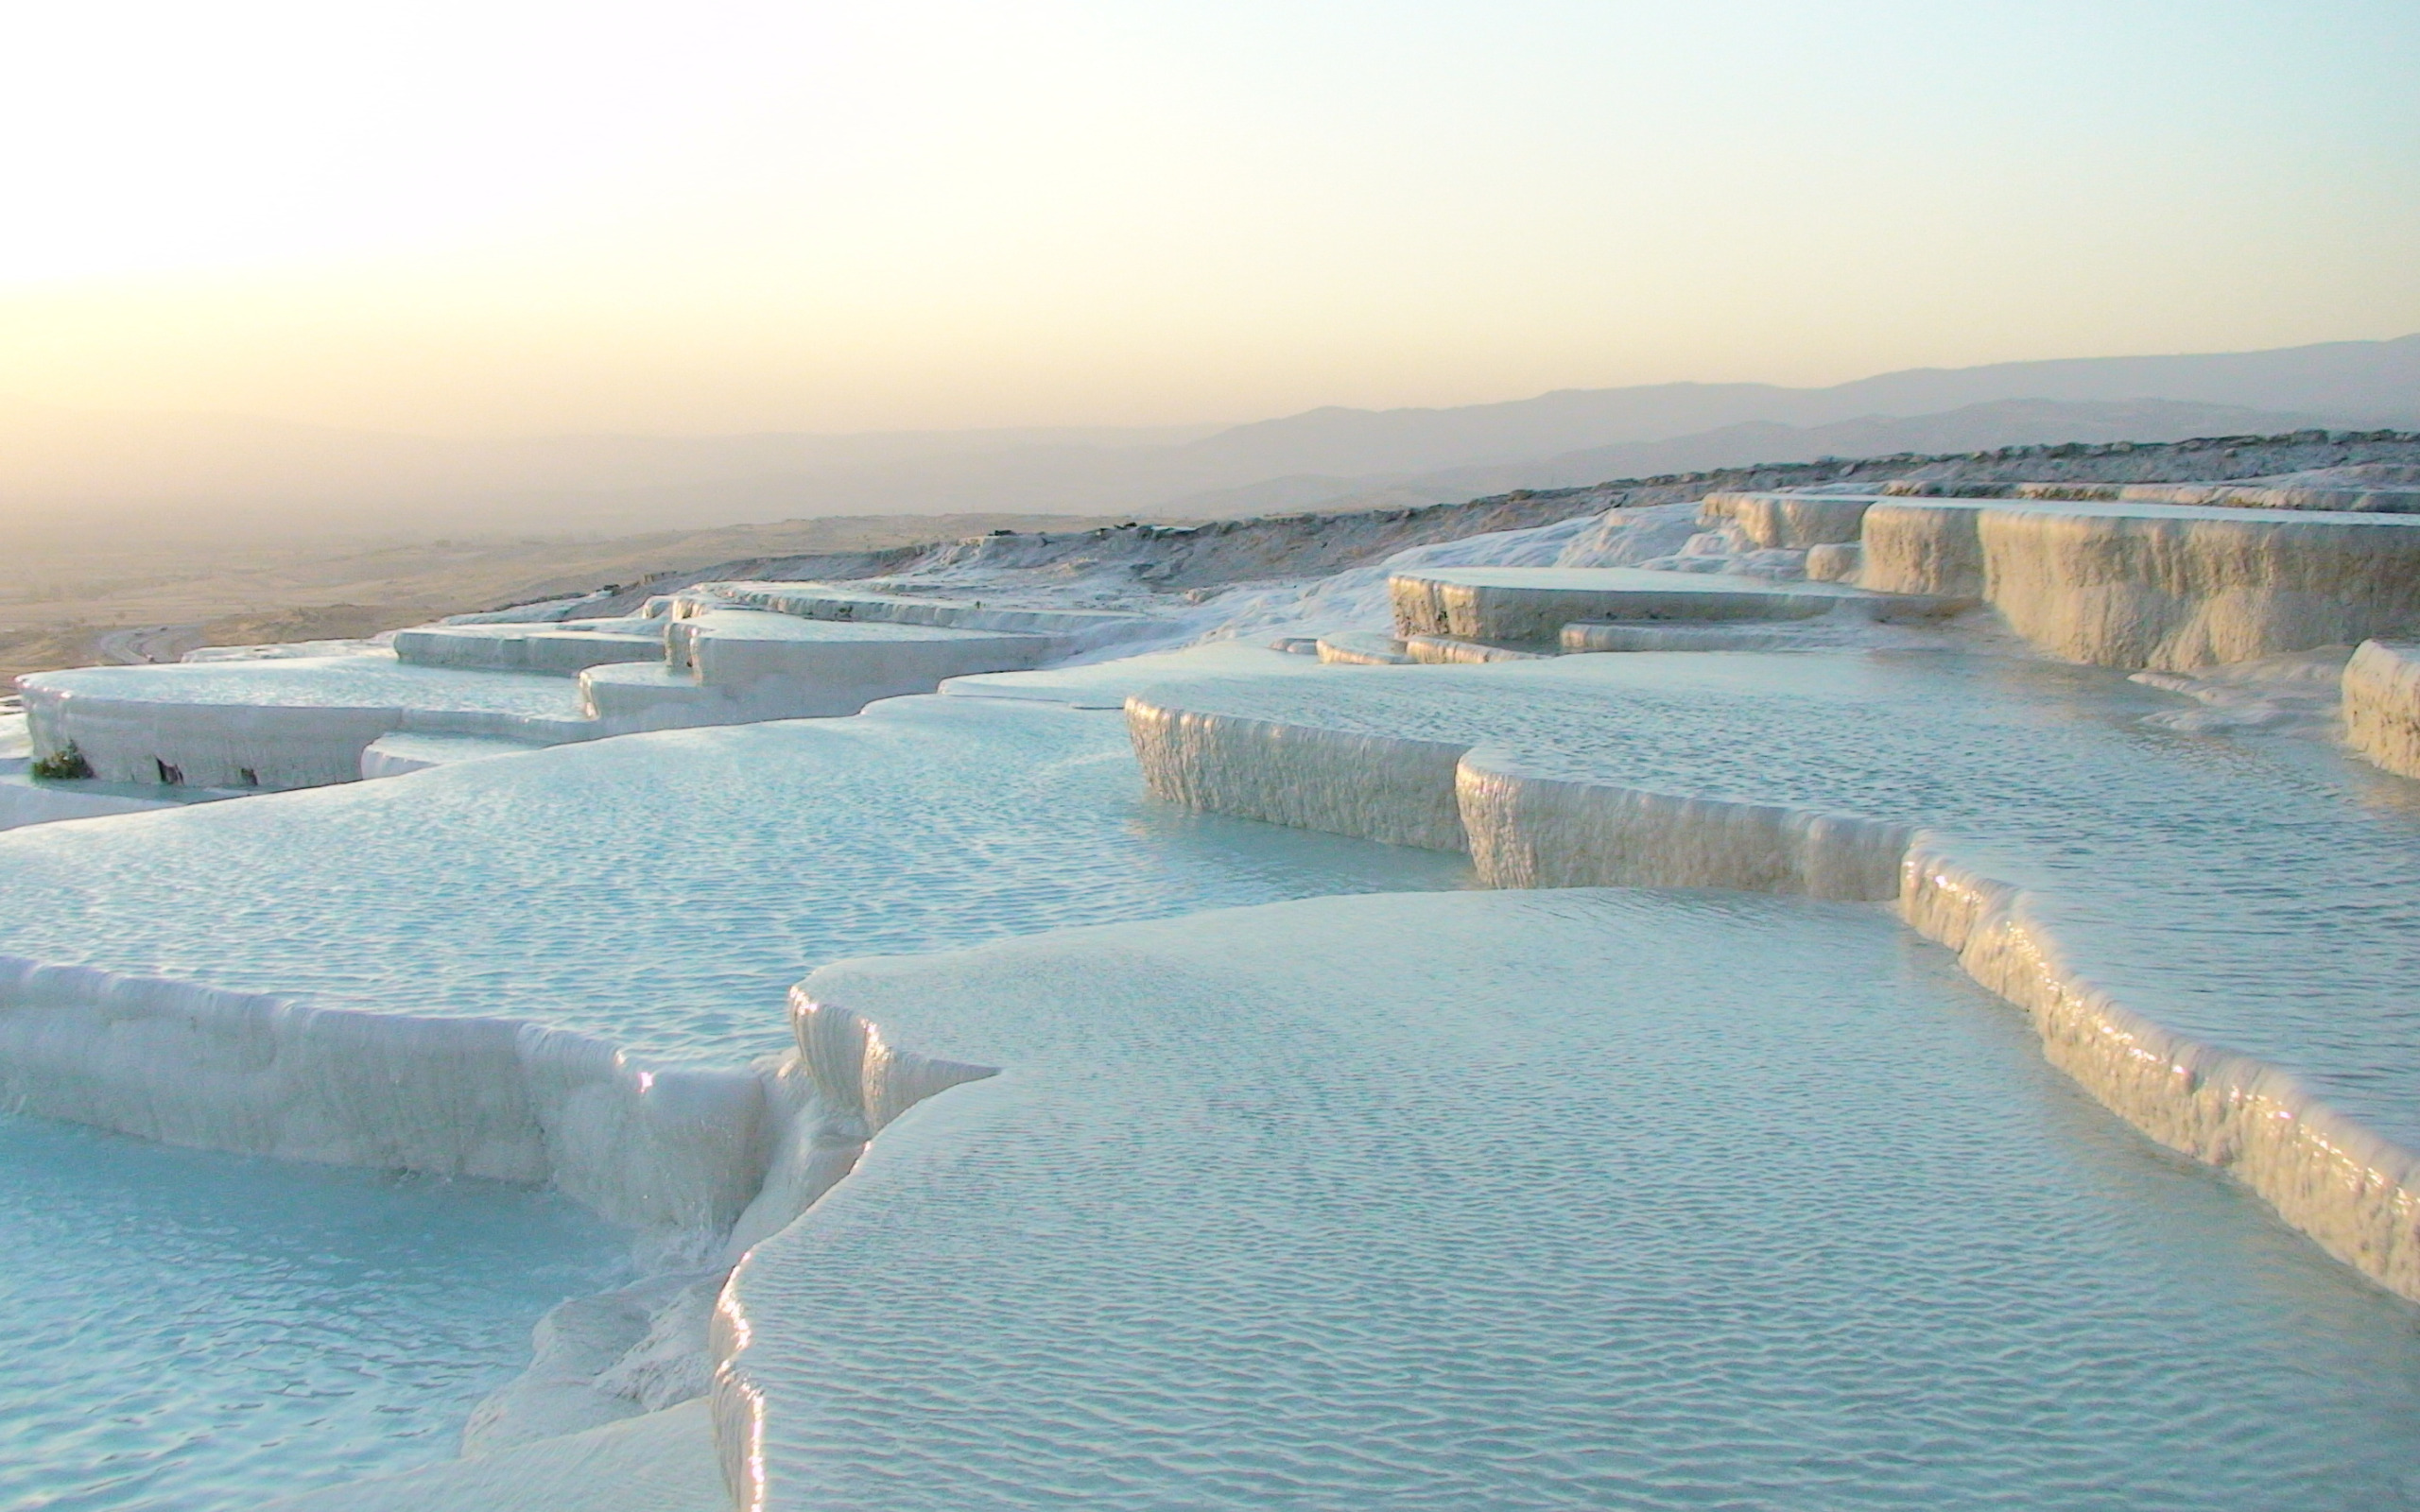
(505, 219)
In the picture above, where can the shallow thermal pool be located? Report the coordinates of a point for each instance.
(187, 1331)
(368, 680)
(662, 891)
(1538, 1199)
(2260, 892)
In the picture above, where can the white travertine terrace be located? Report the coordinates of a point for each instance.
(1532, 605)
(2055, 840)
(546, 1017)
(2364, 488)
(400, 754)
(559, 649)
(730, 666)
(1074, 629)
(1596, 1197)
(2161, 585)
(302, 722)
(668, 1150)
(1448, 650)
(1798, 520)
(1361, 649)
(1675, 635)
(306, 722)
(1422, 758)
(2126, 581)
(778, 666)
(1106, 685)
(2378, 498)
(2382, 705)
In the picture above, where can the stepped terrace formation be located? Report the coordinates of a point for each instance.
(1869, 985)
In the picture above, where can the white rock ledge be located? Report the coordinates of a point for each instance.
(677, 1153)
(1790, 520)
(2357, 1194)
(2382, 705)
(1517, 606)
(276, 725)
(2144, 585)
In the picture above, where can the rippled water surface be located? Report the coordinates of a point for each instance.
(662, 891)
(1501, 1200)
(182, 1332)
(1560, 1199)
(2260, 892)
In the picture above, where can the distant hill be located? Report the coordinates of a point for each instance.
(70, 471)
(1973, 428)
(2340, 383)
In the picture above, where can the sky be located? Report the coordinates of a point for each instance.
(511, 218)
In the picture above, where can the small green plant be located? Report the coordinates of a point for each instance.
(65, 764)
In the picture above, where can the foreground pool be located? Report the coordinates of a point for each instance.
(196, 1332)
(1586, 1198)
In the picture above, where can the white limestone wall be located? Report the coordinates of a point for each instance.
(1345, 648)
(1527, 830)
(726, 666)
(1374, 788)
(2173, 595)
(1792, 521)
(2355, 498)
(1440, 604)
(2170, 590)
(272, 747)
(844, 672)
(1074, 629)
(629, 698)
(851, 1082)
(1834, 562)
(678, 1153)
(1442, 651)
(266, 746)
(559, 651)
(1922, 546)
(2382, 705)
(2354, 1192)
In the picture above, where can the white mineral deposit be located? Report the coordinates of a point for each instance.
(695, 817)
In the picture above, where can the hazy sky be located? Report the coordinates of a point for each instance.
(504, 218)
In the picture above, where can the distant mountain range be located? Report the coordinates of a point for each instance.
(66, 469)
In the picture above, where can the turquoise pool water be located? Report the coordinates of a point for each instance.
(183, 1332)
